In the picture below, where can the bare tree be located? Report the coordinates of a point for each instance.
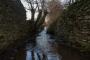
(55, 9)
(72, 1)
(37, 6)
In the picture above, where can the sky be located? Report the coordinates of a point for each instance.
(28, 13)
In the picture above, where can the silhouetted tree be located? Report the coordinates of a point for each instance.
(37, 6)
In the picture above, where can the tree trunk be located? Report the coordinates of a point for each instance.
(40, 22)
(39, 16)
(32, 15)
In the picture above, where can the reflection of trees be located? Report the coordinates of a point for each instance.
(40, 57)
(32, 52)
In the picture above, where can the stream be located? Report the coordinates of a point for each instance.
(45, 48)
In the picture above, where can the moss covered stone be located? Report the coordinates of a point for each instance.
(13, 25)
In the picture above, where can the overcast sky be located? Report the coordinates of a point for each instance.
(28, 12)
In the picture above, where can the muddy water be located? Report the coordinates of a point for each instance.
(45, 48)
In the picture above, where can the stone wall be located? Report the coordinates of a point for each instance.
(76, 25)
(12, 23)
(10, 10)
(73, 27)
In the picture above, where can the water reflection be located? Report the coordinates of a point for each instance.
(43, 49)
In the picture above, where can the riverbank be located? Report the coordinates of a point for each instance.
(72, 29)
(18, 47)
(63, 49)
(66, 51)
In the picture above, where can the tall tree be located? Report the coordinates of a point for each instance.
(37, 6)
(55, 8)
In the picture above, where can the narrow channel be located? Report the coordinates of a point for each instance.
(43, 49)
